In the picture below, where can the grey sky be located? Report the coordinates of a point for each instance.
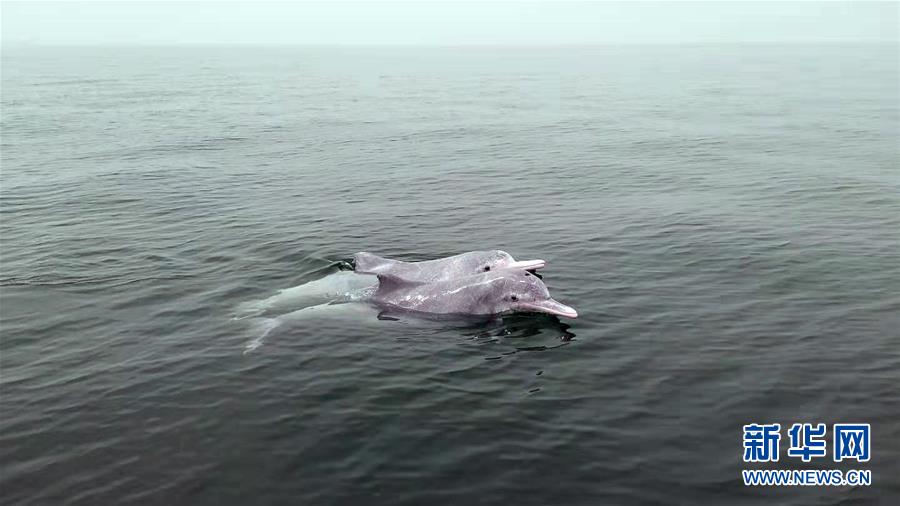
(444, 22)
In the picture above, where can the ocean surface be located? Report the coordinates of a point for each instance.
(725, 219)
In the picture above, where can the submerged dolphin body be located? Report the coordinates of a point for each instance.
(489, 293)
(342, 286)
(442, 269)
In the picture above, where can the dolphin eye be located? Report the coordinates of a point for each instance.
(487, 268)
(514, 298)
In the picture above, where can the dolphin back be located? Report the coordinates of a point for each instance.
(367, 263)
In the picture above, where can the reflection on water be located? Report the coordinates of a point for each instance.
(527, 332)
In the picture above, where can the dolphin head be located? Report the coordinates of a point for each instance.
(488, 293)
(523, 291)
(486, 261)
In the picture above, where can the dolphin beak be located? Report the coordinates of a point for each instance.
(527, 264)
(550, 306)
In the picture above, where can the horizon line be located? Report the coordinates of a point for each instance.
(7, 44)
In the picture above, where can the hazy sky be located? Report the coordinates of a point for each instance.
(443, 22)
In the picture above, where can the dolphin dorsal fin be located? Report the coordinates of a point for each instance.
(390, 282)
(367, 263)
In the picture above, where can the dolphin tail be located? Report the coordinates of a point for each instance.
(264, 326)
